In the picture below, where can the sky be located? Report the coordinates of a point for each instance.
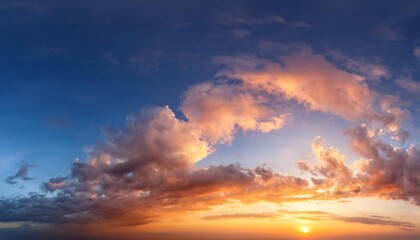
(209, 119)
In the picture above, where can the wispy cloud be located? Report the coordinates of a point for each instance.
(240, 33)
(238, 20)
(416, 52)
(388, 34)
(408, 84)
(375, 221)
(371, 70)
(368, 220)
(301, 24)
(240, 215)
(317, 216)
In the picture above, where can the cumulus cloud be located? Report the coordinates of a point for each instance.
(130, 175)
(385, 171)
(330, 173)
(86, 200)
(218, 109)
(306, 78)
(22, 174)
(392, 172)
(144, 166)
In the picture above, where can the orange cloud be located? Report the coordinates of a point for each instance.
(217, 110)
(385, 171)
(312, 80)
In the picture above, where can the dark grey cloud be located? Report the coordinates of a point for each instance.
(54, 184)
(22, 174)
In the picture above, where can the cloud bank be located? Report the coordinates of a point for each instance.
(147, 168)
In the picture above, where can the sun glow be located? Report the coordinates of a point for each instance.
(304, 229)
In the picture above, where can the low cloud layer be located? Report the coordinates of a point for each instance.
(317, 216)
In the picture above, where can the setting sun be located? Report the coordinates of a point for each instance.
(304, 229)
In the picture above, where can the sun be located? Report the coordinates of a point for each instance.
(304, 229)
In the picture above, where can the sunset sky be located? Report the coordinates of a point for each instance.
(166, 120)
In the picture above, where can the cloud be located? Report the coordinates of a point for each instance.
(388, 171)
(408, 84)
(318, 216)
(240, 215)
(149, 163)
(234, 20)
(148, 62)
(47, 51)
(240, 33)
(371, 70)
(368, 220)
(301, 24)
(384, 171)
(114, 61)
(388, 34)
(145, 165)
(416, 52)
(22, 174)
(310, 79)
(54, 184)
(132, 174)
(375, 221)
(134, 202)
(205, 103)
(255, 21)
(305, 77)
(330, 173)
(27, 6)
